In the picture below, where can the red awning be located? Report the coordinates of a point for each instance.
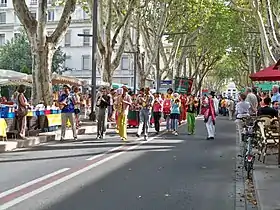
(271, 73)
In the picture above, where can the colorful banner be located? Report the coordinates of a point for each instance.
(183, 85)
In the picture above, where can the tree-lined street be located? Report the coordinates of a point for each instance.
(168, 172)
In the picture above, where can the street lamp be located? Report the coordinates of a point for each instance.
(92, 115)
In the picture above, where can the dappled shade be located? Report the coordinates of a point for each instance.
(271, 73)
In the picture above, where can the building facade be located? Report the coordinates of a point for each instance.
(76, 48)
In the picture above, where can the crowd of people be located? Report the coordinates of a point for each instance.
(145, 109)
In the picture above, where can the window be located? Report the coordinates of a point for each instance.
(85, 15)
(50, 1)
(16, 20)
(34, 14)
(2, 17)
(51, 15)
(86, 38)
(67, 60)
(2, 39)
(49, 33)
(125, 63)
(67, 39)
(33, 2)
(3, 3)
(85, 62)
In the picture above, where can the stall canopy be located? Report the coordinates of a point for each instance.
(271, 73)
(14, 75)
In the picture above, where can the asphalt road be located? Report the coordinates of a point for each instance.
(166, 173)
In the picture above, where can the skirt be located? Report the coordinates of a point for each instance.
(133, 118)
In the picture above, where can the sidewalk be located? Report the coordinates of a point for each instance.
(266, 179)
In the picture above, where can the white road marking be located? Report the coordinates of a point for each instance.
(67, 177)
(25, 185)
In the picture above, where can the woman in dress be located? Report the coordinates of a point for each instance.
(133, 113)
(22, 111)
(183, 109)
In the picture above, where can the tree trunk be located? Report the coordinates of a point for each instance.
(142, 82)
(107, 73)
(44, 64)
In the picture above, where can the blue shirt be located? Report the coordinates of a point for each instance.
(175, 108)
(69, 108)
(276, 97)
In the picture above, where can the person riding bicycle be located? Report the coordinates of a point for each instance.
(242, 110)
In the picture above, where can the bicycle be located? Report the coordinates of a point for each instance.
(250, 141)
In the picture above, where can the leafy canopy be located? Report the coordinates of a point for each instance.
(16, 55)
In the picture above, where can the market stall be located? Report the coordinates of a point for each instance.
(39, 117)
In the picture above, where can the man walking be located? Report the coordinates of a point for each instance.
(252, 99)
(210, 117)
(103, 101)
(146, 101)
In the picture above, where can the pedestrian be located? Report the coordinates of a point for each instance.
(230, 107)
(191, 110)
(66, 104)
(22, 111)
(157, 109)
(210, 116)
(175, 113)
(146, 102)
(77, 106)
(103, 102)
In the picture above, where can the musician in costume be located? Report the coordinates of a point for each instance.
(66, 104)
(145, 101)
(116, 107)
(167, 108)
(210, 116)
(157, 109)
(123, 102)
(183, 108)
(192, 106)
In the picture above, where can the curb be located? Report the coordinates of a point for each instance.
(240, 194)
(256, 192)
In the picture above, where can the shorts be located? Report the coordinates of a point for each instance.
(175, 116)
(77, 111)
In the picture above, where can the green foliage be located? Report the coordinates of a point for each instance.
(16, 55)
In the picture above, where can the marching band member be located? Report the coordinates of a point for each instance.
(175, 113)
(167, 108)
(157, 109)
(192, 106)
(210, 117)
(146, 102)
(123, 102)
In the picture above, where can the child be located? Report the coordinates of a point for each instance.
(175, 114)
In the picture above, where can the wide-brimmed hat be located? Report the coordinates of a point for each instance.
(67, 86)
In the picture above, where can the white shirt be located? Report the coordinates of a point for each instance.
(242, 109)
(216, 104)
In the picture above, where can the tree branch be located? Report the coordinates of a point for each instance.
(121, 25)
(64, 22)
(25, 16)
